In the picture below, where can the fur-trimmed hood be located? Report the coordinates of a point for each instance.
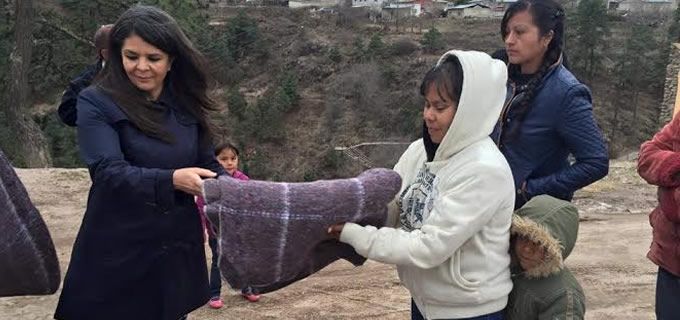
(551, 222)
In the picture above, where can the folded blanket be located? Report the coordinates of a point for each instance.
(272, 234)
(28, 261)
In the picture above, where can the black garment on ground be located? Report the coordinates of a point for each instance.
(28, 261)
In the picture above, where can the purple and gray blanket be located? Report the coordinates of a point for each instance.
(28, 261)
(272, 234)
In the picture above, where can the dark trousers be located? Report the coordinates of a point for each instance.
(215, 277)
(667, 296)
(416, 315)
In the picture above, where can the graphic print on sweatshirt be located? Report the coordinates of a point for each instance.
(415, 202)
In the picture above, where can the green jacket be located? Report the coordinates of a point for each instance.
(549, 291)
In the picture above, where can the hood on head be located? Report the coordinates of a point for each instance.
(481, 101)
(553, 224)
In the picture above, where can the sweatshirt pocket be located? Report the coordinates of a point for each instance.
(445, 285)
(457, 274)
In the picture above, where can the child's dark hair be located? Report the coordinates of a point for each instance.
(226, 146)
(548, 16)
(447, 77)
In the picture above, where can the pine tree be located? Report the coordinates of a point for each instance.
(242, 35)
(432, 41)
(358, 50)
(334, 54)
(637, 71)
(237, 103)
(288, 96)
(674, 29)
(376, 47)
(592, 29)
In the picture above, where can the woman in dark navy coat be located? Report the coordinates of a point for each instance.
(143, 132)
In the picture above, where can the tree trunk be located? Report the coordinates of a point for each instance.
(29, 143)
(591, 63)
(635, 130)
(613, 139)
(636, 94)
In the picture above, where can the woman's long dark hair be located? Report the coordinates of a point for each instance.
(187, 80)
(548, 16)
(447, 78)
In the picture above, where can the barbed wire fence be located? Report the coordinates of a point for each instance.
(369, 154)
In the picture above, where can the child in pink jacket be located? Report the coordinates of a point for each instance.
(227, 155)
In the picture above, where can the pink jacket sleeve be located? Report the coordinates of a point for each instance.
(659, 161)
(659, 164)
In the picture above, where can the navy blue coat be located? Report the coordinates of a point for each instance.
(67, 108)
(560, 122)
(139, 253)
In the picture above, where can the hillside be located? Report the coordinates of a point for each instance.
(356, 81)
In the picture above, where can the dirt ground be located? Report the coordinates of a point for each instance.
(609, 259)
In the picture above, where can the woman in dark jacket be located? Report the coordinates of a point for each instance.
(548, 113)
(143, 133)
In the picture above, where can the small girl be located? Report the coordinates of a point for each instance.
(227, 155)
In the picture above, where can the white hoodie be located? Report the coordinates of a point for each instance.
(455, 212)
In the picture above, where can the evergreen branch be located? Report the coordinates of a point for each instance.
(64, 30)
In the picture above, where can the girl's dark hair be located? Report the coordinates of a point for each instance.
(548, 16)
(447, 77)
(187, 79)
(226, 146)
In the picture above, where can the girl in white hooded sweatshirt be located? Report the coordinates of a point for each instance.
(448, 230)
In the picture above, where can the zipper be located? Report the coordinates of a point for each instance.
(504, 114)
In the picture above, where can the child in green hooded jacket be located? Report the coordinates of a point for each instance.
(543, 234)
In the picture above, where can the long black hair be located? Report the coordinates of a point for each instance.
(548, 16)
(447, 78)
(188, 80)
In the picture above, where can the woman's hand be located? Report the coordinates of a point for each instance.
(335, 230)
(190, 180)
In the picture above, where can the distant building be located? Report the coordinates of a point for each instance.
(229, 3)
(642, 6)
(397, 10)
(504, 4)
(435, 7)
(377, 4)
(470, 10)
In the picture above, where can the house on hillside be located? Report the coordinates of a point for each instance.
(230, 3)
(399, 10)
(435, 7)
(498, 7)
(470, 10)
(409, 8)
(503, 4)
(641, 6)
(373, 4)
